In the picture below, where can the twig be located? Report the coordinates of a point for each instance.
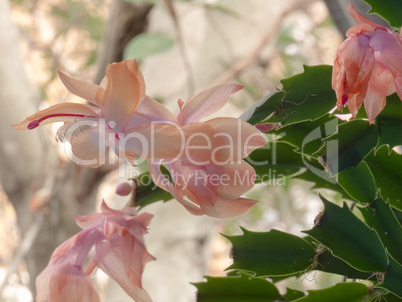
(182, 48)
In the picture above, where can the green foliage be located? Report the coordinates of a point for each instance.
(380, 217)
(386, 166)
(278, 157)
(358, 182)
(237, 288)
(147, 192)
(304, 97)
(390, 10)
(145, 44)
(351, 292)
(349, 238)
(274, 253)
(349, 145)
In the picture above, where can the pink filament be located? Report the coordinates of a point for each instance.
(35, 123)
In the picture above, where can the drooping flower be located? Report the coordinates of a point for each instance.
(116, 238)
(92, 128)
(367, 67)
(212, 187)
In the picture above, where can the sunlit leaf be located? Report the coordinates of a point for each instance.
(309, 95)
(277, 159)
(147, 192)
(349, 238)
(273, 253)
(348, 292)
(263, 108)
(236, 289)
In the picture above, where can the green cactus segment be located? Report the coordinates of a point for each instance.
(305, 97)
(309, 95)
(278, 159)
(386, 166)
(358, 182)
(237, 289)
(392, 278)
(349, 238)
(350, 292)
(273, 253)
(326, 262)
(390, 10)
(381, 218)
(349, 145)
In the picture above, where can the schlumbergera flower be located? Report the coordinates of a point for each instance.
(116, 238)
(368, 66)
(212, 187)
(110, 121)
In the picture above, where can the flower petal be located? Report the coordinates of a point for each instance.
(240, 137)
(125, 90)
(65, 283)
(58, 113)
(161, 181)
(352, 68)
(82, 89)
(113, 264)
(358, 17)
(230, 181)
(89, 148)
(154, 141)
(375, 98)
(155, 111)
(207, 102)
(224, 208)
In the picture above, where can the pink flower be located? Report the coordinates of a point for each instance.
(109, 121)
(116, 238)
(212, 187)
(368, 66)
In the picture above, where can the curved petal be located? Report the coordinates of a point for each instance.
(224, 208)
(230, 181)
(398, 85)
(89, 148)
(155, 111)
(358, 17)
(57, 113)
(352, 68)
(112, 264)
(388, 47)
(85, 90)
(154, 141)
(213, 205)
(161, 181)
(207, 102)
(125, 90)
(375, 98)
(65, 282)
(240, 136)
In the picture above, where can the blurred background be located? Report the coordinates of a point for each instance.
(182, 46)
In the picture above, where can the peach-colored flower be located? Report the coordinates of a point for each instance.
(116, 238)
(212, 187)
(368, 66)
(109, 121)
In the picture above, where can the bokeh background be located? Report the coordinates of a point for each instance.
(182, 46)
